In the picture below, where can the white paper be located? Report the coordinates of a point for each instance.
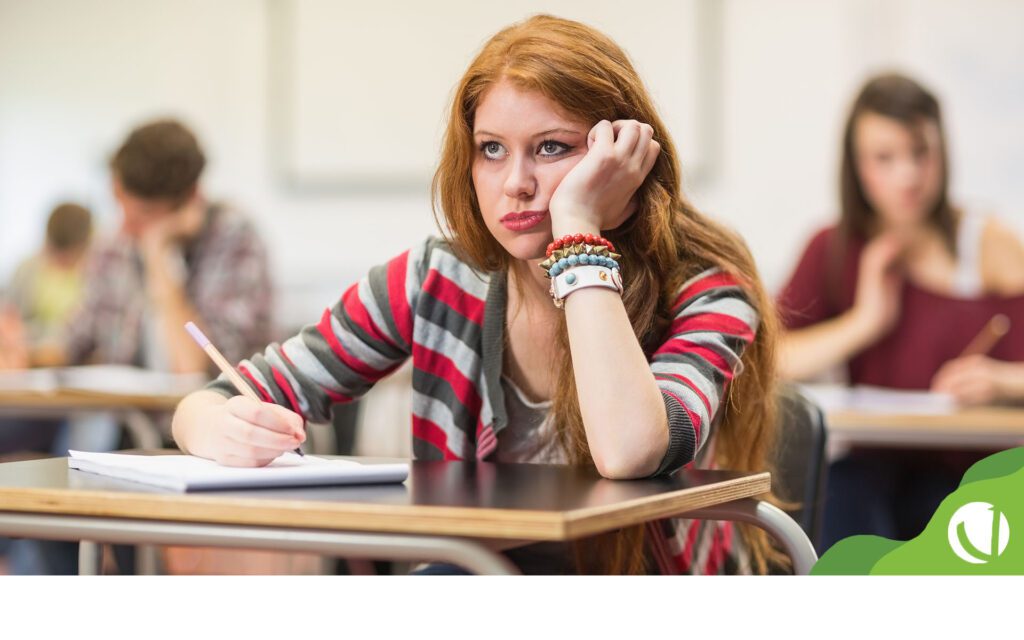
(129, 381)
(37, 380)
(879, 400)
(191, 473)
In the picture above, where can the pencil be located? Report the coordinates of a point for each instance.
(994, 329)
(222, 364)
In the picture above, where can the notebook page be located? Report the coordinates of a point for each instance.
(191, 473)
(879, 400)
(129, 381)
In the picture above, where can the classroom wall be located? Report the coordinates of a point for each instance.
(792, 67)
(74, 75)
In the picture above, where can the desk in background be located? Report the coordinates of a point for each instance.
(446, 511)
(133, 396)
(883, 417)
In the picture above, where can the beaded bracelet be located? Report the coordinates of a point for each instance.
(565, 253)
(580, 260)
(579, 238)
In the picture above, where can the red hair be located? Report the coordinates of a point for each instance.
(665, 243)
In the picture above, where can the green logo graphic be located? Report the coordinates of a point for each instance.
(978, 533)
(969, 534)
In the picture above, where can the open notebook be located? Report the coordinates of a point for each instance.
(189, 473)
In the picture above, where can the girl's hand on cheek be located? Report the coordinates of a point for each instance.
(600, 192)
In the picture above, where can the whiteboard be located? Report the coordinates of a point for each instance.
(359, 101)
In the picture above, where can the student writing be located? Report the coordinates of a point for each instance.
(580, 310)
(894, 293)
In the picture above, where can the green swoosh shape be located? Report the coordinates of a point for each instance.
(997, 480)
(965, 542)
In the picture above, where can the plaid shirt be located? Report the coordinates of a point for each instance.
(227, 280)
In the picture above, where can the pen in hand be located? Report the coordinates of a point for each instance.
(225, 367)
(994, 329)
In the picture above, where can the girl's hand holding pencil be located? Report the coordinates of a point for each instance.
(243, 431)
(974, 378)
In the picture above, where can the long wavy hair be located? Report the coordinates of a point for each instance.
(901, 98)
(664, 244)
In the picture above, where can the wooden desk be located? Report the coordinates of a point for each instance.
(68, 400)
(134, 411)
(875, 416)
(133, 394)
(443, 512)
(973, 428)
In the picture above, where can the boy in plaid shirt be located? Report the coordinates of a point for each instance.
(175, 258)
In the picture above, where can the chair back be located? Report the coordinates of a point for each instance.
(801, 459)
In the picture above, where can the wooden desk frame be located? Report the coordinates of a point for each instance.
(369, 530)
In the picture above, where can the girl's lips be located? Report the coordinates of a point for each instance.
(523, 220)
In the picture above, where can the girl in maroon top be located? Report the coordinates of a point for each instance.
(895, 292)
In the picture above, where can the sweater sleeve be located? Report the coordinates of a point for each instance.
(365, 336)
(713, 323)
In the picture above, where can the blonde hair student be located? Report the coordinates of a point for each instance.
(578, 311)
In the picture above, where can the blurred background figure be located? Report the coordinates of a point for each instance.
(34, 310)
(895, 293)
(176, 257)
(46, 288)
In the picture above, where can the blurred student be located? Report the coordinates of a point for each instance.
(894, 293)
(41, 295)
(176, 257)
(47, 287)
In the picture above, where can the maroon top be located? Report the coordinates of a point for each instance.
(932, 328)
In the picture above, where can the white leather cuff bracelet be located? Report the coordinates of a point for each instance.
(581, 277)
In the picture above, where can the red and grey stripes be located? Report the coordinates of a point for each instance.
(429, 305)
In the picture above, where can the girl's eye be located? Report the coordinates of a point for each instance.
(492, 150)
(552, 148)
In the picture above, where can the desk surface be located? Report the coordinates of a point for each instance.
(897, 417)
(65, 400)
(978, 427)
(486, 500)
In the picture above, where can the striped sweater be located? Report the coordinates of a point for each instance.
(428, 304)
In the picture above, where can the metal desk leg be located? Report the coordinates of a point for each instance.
(147, 560)
(90, 558)
(773, 520)
(143, 429)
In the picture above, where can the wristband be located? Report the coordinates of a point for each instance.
(581, 277)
